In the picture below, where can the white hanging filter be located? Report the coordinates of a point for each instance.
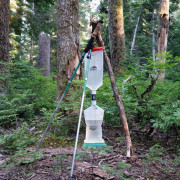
(94, 114)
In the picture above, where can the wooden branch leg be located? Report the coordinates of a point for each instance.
(120, 105)
(118, 99)
(117, 96)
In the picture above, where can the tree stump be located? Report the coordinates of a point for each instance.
(44, 54)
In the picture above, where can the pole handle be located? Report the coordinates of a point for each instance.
(95, 33)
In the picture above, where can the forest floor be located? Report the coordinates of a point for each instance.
(149, 161)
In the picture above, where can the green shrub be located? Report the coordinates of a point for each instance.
(123, 165)
(25, 157)
(159, 108)
(28, 91)
(17, 140)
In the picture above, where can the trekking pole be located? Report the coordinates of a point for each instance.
(88, 47)
(57, 107)
(80, 114)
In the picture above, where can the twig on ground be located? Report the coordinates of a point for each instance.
(109, 158)
(91, 167)
(32, 176)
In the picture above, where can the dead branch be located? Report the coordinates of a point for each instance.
(128, 79)
(150, 87)
(171, 33)
(170, 19)
(109, 158)
(88, 167)
(135, 90)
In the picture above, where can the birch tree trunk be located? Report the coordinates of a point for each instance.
(163, 33)
(116, 35)
(44, 53)
(135, 32)
(4, 41)
(68, 42)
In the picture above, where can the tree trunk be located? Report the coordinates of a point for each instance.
(163, 33)
(153, 37)
(68, 42)
(31, 43)
(4, 41)
(135, 32)
(31, 51)
(116, 33)
(44, 53)
(130, 11)
(118, 99)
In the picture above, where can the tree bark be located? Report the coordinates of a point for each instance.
(118, 99)
(153, 37)
(135, 32)
(44, 53)
(116, 35)
(163, 33)
(4, 41)
(31, 51)
(31, 43)
(68, 42)
(130, 12)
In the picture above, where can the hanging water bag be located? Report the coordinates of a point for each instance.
(95, 75)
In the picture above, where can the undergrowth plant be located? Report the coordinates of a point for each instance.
(148, 102)
(18, 140)
(28, 91)
(25, 157)
(118, 170)
(155, 154)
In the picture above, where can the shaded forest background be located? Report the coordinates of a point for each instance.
(28, 96)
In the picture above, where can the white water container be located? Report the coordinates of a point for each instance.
(95, 75)
(94, 117)
(94, 114)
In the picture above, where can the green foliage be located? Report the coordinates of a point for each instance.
(28, 92)
(102, 150)
(103, 15)
(82, 155)
(176, 161)
(25, 157)
(106, 101)
(28, 20)
(22, 157)
(17, 140)
(154, 156)
(158, 108)
(108, 169)
(156, 153)
(168, 116)
(14, 51)
(161, 106)
(118, 170)
(123, 165)
(12, 108)
(59, 159)
(65, 122)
